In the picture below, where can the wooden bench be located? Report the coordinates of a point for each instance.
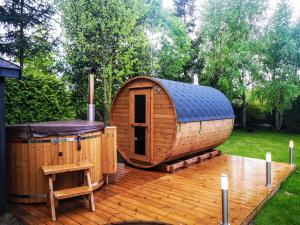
(54, 196)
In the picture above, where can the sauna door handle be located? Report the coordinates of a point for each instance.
(139, 125)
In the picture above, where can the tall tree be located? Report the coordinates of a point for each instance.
(26, 24)
(281, 84)
(175, 49)
(170, 42)
(185, 9)
(231, 49)
(108, 35)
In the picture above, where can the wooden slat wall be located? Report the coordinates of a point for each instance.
(164, 125)
(109, 151)
(119, 117)
(170, 139)
(198, 136)
(25, 161)
(163, 121)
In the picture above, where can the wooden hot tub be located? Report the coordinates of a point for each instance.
(31, 146)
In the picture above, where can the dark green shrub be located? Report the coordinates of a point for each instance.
(256, 113)
(292, 117)
(37, 97)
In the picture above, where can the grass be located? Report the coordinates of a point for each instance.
(284, 207)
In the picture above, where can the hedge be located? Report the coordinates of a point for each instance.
(292, 117)
(37, 97)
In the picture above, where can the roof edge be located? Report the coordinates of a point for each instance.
(151, 79)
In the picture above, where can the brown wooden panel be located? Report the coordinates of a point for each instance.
(162, 123)
(170, 140)
(189, 196)
(199, 136)
(109, 151)
(25, 160)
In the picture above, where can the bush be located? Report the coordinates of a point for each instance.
(256, 113)
(292, 117)
(37, 97)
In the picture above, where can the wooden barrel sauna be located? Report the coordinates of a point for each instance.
(161, 120)
(31, 146)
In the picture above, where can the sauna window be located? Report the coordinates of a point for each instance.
(139, 140)
(140, 108)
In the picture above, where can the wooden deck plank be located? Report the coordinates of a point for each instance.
(84, 210)
(178, 203)
(61, 219)
(189, 196)
(181, 193)
(167, 207)
(41, 215)
(25, 215)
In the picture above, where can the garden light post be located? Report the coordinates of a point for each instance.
(268, 169)
(224, 187)
(91, 105)
(291, 145)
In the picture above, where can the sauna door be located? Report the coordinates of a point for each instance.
(140, 123)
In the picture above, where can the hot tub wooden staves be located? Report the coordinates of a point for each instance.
(160, 120)
(32, 146)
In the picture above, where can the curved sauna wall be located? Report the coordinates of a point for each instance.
(31, 146)
(161, 120)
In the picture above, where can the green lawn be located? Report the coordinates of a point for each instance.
(284, 207)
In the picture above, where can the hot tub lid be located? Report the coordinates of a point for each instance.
(53, 128)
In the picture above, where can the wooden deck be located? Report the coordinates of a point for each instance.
(189, 196)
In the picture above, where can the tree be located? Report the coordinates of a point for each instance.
(27, 24)
(185, 9)
(169, 39)
(281, 85)
(109, 36)
(174, 53)
(231, 48)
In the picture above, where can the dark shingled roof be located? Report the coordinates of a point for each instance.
(197, 102)
(8, 69)
(8, 65)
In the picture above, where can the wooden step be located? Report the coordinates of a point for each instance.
(72, 192)
(54, 169)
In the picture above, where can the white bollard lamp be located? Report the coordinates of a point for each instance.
(224, 187)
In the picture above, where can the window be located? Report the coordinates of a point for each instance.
(140, 108)
(139, 140)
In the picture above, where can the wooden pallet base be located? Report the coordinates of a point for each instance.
(171, 167)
